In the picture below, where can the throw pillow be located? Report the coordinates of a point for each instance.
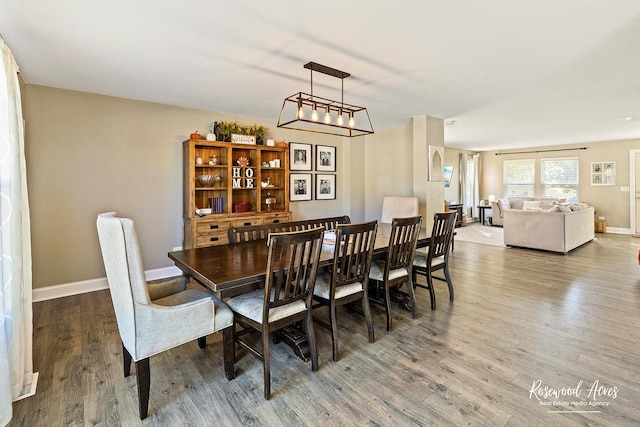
(578, 207)
(564, 209)
(503, 204)
(517, 202)
(531, 205)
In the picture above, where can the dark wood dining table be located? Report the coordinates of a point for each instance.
(236, 268)
(226, 270)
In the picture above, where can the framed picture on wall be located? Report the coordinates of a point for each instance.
(448, 174)
(325, 186)
(603, 173)
(300, 187)
(325, 158)
(299, 156)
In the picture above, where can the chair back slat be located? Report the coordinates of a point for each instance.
(353, 252)
(291, 267)
(402, 243)
(441, 234)
(261, 231)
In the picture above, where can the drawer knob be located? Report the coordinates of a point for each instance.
(275, 221)
(247, 223)
(213, 227)
(214, 239)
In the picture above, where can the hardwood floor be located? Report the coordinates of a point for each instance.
(520, 316)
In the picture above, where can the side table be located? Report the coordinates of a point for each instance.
(481, 214)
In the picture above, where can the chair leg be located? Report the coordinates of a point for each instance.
(387, 297)
(126, 358)
(144, 381)
(432, 293)
(266, 364)
(311, 339)
(366, 309)
(202, 342)
(412, 296)
(333, 321)
(449, 282)
(229, 352)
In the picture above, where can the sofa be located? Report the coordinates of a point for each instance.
(499, 206)
(560, 228)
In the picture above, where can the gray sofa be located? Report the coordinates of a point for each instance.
(551, 231)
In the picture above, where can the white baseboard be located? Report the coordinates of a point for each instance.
(74, 288)
(616, 230)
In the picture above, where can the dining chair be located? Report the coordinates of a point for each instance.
(347, 282)
(156, 316)
(395, 270)
(437, 256)
(286, 298)
(398, 207)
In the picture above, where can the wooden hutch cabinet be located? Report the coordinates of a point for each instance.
(232, 190)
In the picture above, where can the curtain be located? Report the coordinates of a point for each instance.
(476, 186)
(16, 327)
(464, 179)
(470, 185)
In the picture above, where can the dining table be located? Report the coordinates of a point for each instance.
(236, 268)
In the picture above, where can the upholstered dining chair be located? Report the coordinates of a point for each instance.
(437, 256)
(347, 282)
(398, 207)
(395, 270)
(154, 317)
(287, 296)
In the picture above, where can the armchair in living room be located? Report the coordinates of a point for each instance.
(497, 211)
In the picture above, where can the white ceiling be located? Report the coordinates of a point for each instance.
(510, 73)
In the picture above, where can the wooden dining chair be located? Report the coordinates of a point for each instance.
(286, 298)
(437, 256)
(156, 316)
(347, 282)
(395, 270)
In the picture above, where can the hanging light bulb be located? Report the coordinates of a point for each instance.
(340, 120)
(327, 116)
(352, 122)
(314, 113)
(300, 112)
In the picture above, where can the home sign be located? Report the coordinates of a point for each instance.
(243, 177)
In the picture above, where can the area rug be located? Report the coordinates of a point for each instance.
(483, 234)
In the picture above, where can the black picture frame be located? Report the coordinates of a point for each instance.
(325, 158)
(300, 156)
(325, 186)
(300, 187)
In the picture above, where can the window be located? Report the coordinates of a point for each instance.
(559, 178)
(519, 178)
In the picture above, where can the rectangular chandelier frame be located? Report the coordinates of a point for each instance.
(312, 113)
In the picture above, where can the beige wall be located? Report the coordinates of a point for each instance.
(387, 163)
(610, 202)
(89, 153)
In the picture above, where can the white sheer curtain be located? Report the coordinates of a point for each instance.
(470, 183)
(464, 179)
(476, 185)
(16, 327)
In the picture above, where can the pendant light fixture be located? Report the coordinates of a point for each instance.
(300, 110)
